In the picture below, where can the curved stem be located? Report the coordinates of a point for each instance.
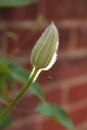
(31, 79)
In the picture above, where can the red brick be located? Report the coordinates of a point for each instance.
(28, 66)
(49, 124)
(69, 9)
(79, 116)
(25, 107)
(28, 38)
(53, 96)
(82, 38)
(23, 126)
(77, 93)
(2, 43)
(64, 69)
(20, 13)
(64, 38)
(22, 47)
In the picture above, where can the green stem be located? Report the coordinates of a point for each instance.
(22, 91)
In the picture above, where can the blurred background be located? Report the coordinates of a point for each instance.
(65, 84)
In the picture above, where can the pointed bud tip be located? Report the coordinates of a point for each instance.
(53, 24)
(44, 53)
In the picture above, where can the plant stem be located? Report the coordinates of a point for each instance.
(22, 91)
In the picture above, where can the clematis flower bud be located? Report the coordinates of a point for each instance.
(44, 52)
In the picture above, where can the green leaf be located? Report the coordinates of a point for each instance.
(12, 84)
(15, 3)
(4, 61)
(3, 88)
(55, 112)
(18, 72)
(12, 35)
(22, 75)
(36, 89)
(4, 69)
(5, 122)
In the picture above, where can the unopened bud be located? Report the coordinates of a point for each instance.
(44, 52)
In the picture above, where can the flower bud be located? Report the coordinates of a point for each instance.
(44, 52)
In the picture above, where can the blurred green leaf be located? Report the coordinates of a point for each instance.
(14, 70)
(22, 75)
(55, 112)
(36, 89)
(4, 61)
(12, 35)
(3, 88)
(5, 122)
(12, 84)
(15, 3)
(18, 72)
(4, 69)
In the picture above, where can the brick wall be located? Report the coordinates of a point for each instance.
(66, 83)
